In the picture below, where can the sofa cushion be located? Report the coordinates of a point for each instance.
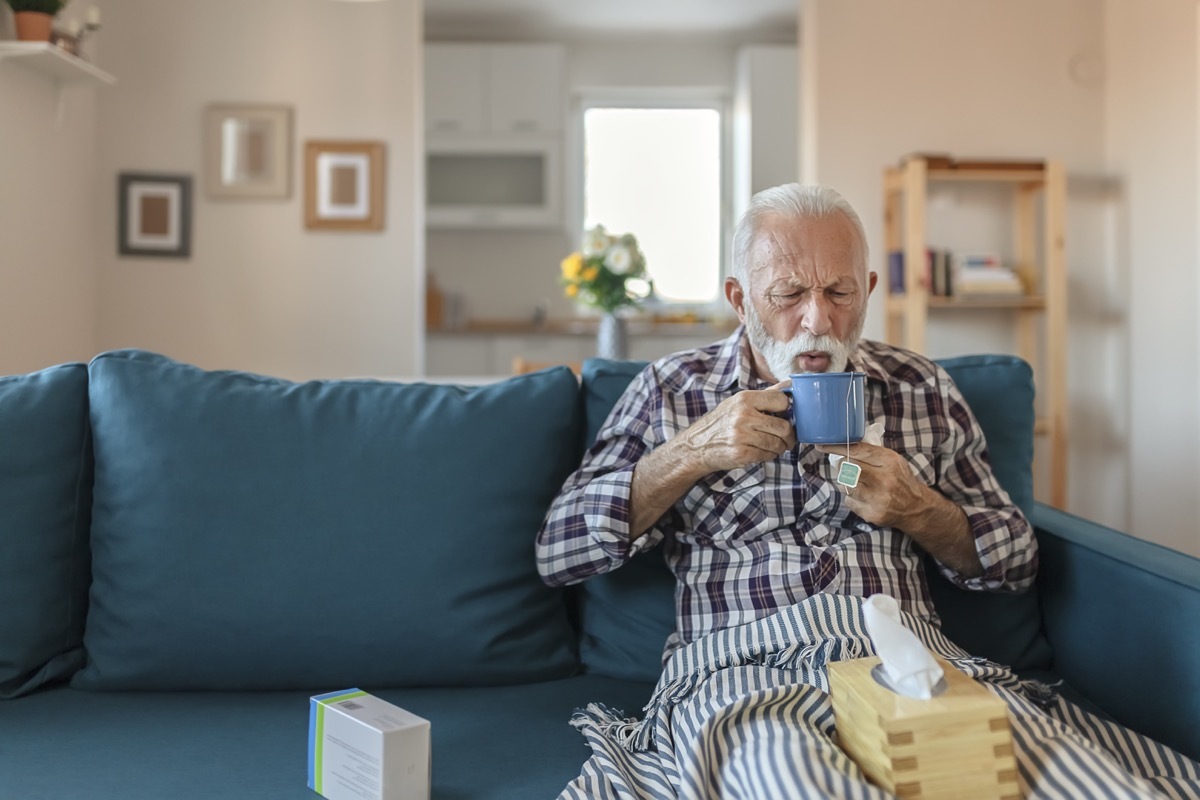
(250, 532)
(1006, 628)
(493, 743)
(626, 616)
(45, 501)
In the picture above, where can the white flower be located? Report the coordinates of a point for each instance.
(595, 241)
(637, 288)
(619, 259)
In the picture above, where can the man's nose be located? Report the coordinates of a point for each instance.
(815, 317)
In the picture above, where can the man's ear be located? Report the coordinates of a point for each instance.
(872, 279)
(735, 296)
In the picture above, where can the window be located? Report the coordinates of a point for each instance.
(656, 172)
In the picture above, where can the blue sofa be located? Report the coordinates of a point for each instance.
(187, 556)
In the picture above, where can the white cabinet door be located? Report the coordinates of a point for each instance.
(454, 89)
(526, 88)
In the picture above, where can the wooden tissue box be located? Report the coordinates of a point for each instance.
(955, 745)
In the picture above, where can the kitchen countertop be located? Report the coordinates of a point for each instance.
(588, 326)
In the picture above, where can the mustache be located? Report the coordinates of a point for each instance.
(808, 343)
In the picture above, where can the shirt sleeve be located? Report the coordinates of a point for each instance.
(1003, 536)
(586, 530)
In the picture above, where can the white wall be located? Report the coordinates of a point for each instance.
(47, 186)
(1027, 78)
(260, 292)
(1152, 141)
(766, 121)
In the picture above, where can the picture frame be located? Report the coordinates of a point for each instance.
(247, 151)
(344, 185)
(154, 214)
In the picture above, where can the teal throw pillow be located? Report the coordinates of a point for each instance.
(254, 533)
(45, 501)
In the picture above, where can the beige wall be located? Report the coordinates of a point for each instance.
(1152, 143)
(47, 188)
(1076, 81)
(260, 292)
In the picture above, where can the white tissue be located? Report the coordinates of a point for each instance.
(910, 668)
(872, 435)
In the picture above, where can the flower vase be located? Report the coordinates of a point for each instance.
(612, 340)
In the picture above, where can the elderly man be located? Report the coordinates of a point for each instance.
(773, 557)
(700, 455)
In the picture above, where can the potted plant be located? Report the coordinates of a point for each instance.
(35, 18)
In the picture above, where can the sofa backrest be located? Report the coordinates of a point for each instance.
(626, 616)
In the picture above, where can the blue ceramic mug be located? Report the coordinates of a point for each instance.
(828, 407)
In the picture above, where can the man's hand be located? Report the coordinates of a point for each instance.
(740, 431)
(889, 494)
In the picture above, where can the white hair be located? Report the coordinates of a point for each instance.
(793, 200)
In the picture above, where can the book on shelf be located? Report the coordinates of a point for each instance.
(982, 274)
(937, 278)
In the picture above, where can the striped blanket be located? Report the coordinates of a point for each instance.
(745, 713)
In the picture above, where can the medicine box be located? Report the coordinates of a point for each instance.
(363, 748)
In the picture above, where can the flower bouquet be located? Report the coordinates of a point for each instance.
(608, 273)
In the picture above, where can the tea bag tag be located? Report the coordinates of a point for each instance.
(848, 474)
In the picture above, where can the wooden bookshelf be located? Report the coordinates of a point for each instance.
(1039, 315)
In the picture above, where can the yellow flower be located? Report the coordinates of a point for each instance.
(572, 265)
(571, 290)
(590, 273)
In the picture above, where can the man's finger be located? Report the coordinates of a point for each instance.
(768, 399)
(856, 450)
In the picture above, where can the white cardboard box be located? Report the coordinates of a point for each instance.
(363, 748)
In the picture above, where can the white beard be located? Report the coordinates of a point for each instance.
(781, 357)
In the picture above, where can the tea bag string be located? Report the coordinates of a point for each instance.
(849, 394)
(849, 472)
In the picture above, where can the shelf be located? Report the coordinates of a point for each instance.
(894, 180)
(897, 304)
(54, 61)
(990, 175)
(1030, 302)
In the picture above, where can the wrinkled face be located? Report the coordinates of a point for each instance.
(806, 301)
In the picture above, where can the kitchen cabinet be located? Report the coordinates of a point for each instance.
(454, 89)
(473, 89)
(494, 118)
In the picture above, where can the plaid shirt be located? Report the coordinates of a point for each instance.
(746, 542)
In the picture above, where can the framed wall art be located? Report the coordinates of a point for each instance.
(248, 151)
(344, 185)
(154, 215)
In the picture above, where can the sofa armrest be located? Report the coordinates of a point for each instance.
(1120, 614)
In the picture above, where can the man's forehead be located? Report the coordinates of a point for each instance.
(782, 243)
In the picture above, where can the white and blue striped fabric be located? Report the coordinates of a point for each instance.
(745, 713)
